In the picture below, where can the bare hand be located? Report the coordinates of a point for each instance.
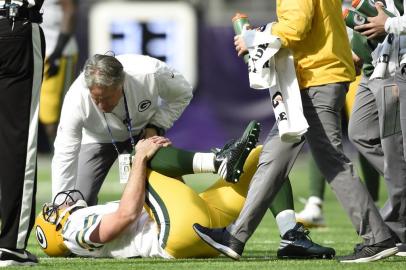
(376, 25)
(148, 147)
(240, 46)
(357, 63)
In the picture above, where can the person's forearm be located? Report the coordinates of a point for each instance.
(130, 207)
(133, 196)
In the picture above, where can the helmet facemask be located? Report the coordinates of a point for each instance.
(49, 223)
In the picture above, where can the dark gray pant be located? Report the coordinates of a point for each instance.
(95, 161)
(374, 128)
(363, 126)
(322, 108)
(400, 79)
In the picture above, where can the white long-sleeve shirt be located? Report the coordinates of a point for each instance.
(395, 25)
(138, 239)
(156, 94)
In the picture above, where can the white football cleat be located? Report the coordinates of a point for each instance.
(312, 215)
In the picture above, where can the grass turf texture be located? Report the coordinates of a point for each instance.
(260, 251)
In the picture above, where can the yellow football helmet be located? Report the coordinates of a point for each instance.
(49, 223)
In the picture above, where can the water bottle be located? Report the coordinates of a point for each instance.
(240, 20)
(353, 18)
(367, 7)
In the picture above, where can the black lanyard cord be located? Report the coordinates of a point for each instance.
(126, 121)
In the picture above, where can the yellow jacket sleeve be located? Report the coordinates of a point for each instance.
(294, 20)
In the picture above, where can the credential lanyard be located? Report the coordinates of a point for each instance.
(126, 121)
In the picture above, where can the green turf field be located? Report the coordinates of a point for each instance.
(260, 251)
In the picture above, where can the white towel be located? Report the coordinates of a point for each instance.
(273, 68)
(261, 47)
(381, 59)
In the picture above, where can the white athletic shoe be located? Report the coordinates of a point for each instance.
(312, 214)
(401, 249)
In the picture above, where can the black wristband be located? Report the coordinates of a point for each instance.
(159, 131)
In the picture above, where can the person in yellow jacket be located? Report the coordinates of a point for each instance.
(315, 33)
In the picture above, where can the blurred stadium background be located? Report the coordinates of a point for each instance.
(194, 36)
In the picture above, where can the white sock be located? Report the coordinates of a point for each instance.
(286, 220)
(203, 163)
(315, 200)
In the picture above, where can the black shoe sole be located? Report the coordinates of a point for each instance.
(309, 257)
(250, 138)
(225, 250)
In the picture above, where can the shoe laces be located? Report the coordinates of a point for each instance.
(225, 149)
(300, 232)
(303, 233)
(358, 247)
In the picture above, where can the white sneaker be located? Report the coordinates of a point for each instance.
(312, 215)
(401, 249)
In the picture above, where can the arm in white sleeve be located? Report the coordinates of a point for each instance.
(67, 146)
(175, 94)
(396, 25)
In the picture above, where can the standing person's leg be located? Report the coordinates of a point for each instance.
(94, 163)
(312, 214)
(317, 183)
(387, 99)
(400, 78)
(283, 200)
(275, 162)
(295, 242)
(21, 67)
(362, 115)
(370, 176)
(322, 106)
(365, 132)
(363, 126)
(369, 173)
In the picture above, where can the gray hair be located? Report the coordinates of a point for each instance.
(103, 70)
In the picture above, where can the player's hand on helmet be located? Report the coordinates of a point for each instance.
(148, 147)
